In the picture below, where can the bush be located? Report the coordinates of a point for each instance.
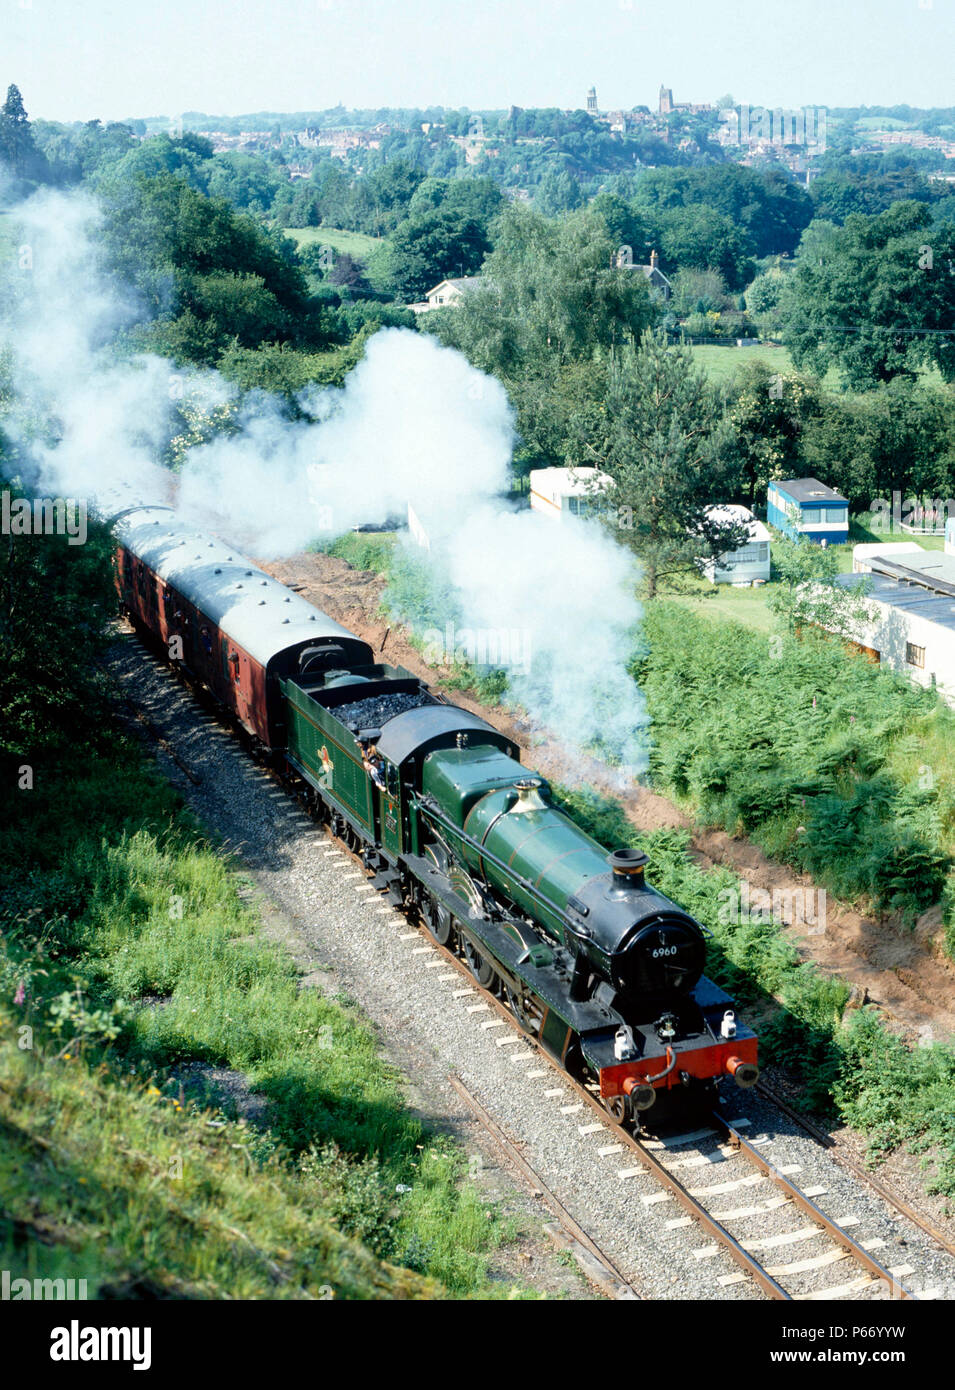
(806, 750)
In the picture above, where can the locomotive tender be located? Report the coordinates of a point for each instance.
(603, 970)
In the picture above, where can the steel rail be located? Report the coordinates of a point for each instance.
(819, 1218)
(622, 1288)
(826, 1141)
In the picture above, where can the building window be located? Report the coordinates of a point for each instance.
(811, 516)
(915, 656)
(764, 550)
(840, 514)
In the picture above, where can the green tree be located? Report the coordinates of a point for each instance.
(766, 414)
(479, 198)
(764, 299)
(50, 690)
(425, 249)
(552, 311)
(878, 301)
(557, 192)
(553, 294)
(663, 461)
(698, 237)
(806, 595)
(767, 206)
(899, 437)
(16, 138)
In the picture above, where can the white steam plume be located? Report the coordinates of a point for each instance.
(415, 424)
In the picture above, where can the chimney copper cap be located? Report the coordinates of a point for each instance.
(628, 864)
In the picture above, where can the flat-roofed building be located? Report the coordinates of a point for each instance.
(560, 492)
(807, 507)
(911, 601)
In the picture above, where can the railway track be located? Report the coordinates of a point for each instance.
(762, 1262)
(749, 1185)
(775, 1275)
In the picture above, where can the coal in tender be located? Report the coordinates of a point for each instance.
(376, 710)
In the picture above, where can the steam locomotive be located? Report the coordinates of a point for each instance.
(603, 970)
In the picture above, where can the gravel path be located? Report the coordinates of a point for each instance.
(430, 1024)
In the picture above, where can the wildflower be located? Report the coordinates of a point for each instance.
(67, 1056)
(21, 994)
(153, 1091)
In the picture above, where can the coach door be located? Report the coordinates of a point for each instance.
(237, 672)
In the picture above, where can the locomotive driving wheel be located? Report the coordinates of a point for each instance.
(437, 919)
(525, 1016)
(481, 968)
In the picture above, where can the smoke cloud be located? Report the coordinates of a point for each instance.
(414, 425)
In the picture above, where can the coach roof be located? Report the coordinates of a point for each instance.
(261, 615)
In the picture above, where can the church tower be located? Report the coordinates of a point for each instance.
(592, 102)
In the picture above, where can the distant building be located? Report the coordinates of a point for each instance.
(592, 101)
(561, 492)
(447, 292)
(749, 563)
(667, 104)
(807, 507)
(911, 603)
(659, 284)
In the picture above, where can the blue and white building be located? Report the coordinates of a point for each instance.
(807, 507)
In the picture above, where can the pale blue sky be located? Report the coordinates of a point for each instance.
(76, 59)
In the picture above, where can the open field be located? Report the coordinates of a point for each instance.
(721, 363)
(354, 243)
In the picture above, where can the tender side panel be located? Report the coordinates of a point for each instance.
(326, 754)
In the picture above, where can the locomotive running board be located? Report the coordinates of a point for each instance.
(544, 981)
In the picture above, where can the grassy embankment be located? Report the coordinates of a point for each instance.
(822, 760)
(129, 956)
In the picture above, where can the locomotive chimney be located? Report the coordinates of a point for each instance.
(628, 866)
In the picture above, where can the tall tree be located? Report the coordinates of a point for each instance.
(766, 414)
(662, 456)
(426, 248)
(16, 137)
(553, 308)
